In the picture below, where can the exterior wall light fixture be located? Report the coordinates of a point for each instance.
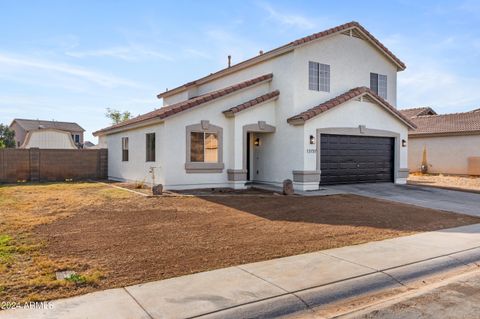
(312, 139)
(404, 143)
(257, 142)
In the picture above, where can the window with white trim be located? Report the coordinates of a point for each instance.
(76, 138)
(378, 84)
(124, 149)
(150, 145)
(318, 76)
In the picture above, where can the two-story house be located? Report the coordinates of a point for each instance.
(318, 110)
(47, 134)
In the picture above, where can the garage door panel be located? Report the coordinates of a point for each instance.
(356, 159)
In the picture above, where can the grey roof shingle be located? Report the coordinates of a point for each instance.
(30, 125)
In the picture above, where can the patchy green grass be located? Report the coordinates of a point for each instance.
(77, 278)
(6, 249)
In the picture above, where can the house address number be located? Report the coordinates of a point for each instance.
(311, 150)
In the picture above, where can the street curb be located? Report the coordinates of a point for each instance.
(372, 283)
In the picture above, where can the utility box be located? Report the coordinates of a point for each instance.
(474, 166)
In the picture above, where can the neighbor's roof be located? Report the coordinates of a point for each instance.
(360, 31)
(418, 111)
(447, 124)
(30, 125)
(258, 100)
(301, 118)
(176, 108)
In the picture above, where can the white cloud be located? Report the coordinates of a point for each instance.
(436, 75)
(14, 63)
(288, 19)
(439, 88)
(127, 53)
(197, 53)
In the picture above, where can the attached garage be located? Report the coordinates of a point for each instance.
(356, 159)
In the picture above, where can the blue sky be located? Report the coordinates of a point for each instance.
(70, 60)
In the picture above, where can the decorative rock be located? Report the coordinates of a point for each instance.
(61, 275)
(288, 187)
(157, 189)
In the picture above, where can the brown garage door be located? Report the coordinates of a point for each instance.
(346, 159)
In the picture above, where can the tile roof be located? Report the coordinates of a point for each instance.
(301, 118)
(30, 125)
(290, 46)
(176, 108)
(258, 100)
(447, 124)
(418, 111)
(349, 25)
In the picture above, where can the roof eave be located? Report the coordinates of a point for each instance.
(442, 134)
(296, 121)
(152, 121)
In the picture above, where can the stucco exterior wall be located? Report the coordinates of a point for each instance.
(175, 130)
(49, 139)
(351, 61)
(445, 154)
(136, 169)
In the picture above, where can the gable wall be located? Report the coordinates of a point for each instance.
(20, 134)
(351, 60)
(48, 139)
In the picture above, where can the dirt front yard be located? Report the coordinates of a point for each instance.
(468, 183)
(113, 238)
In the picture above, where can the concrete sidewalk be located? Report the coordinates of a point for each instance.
(281, 286)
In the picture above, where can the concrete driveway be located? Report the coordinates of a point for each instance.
(436, 198)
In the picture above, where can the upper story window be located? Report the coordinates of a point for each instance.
(318, 76)
(378, 84)
(150, 141)
(125, 149)
(76, 138)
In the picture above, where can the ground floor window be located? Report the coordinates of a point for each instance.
(150, 141)
(204, 147)
(125, 149)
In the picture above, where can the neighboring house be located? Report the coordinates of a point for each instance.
(89, 145)
(53, 138)
(451, 141)
(319, 110)
(48, 138)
